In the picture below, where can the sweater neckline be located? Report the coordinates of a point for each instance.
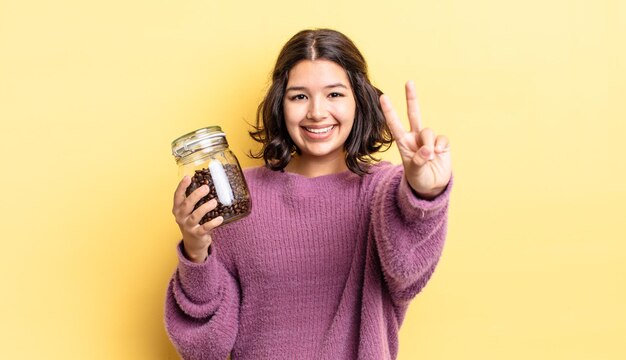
(301, 185)
(322, 178)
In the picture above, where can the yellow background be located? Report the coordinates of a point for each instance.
(531, 94)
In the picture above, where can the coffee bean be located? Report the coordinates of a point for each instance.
(241, 202)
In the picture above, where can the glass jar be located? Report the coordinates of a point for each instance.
(204, 156)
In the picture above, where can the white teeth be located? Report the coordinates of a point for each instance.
(319, 131)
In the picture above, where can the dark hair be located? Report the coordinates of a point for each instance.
(369, 133)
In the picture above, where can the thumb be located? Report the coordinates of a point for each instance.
(427, 152)
(423, 155)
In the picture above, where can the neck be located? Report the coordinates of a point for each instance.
(317, 167)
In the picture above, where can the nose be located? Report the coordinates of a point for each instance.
(317, 110)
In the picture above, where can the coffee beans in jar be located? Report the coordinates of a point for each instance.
(228, 186)
(204, 156)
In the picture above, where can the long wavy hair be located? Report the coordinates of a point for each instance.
(369, 133)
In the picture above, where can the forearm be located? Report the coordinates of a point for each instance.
(198, 334)
(202, 309)
(409, 232)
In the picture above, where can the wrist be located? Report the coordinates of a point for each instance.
(197, 256)
(427, 194)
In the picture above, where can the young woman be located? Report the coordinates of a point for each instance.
(337, 244)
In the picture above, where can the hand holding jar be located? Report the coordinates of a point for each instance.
(212, 192)
(196, 236)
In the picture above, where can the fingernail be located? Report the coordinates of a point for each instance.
(425, 152)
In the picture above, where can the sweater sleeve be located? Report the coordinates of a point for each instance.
(409, 233)
(202, 308)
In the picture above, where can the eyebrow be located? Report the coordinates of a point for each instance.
(300, 88)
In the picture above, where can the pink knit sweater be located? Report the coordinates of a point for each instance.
(323, 268)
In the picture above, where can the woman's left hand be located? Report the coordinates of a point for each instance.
(425, 155)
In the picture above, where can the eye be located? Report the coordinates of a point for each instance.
(298, 97)
(335, 94)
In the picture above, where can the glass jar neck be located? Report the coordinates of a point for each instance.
(202, 153)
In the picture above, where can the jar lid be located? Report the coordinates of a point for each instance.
(197, 140)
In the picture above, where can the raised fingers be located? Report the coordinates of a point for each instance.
(393, 121)
(412, 107)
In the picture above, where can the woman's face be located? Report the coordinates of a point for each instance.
(319, 108)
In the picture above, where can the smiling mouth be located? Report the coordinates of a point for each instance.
(319, 130)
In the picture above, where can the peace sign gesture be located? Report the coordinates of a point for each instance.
(425, 156)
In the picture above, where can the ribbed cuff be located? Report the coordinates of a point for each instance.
(413, 206)
(200, 281)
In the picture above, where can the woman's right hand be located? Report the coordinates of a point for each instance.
(196, 237)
